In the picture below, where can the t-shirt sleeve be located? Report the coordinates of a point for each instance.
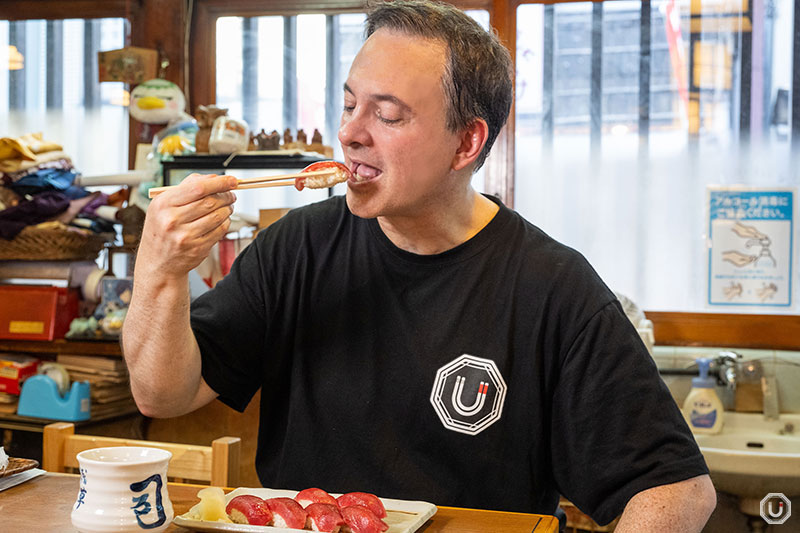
(616, 429)
(229, 323)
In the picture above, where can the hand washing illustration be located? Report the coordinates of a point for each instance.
(754, 238)
(767, 291)
(733, 290)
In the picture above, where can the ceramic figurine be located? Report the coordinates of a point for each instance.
(273, 141)
(206, 115)
(261, 140)
(317, 146)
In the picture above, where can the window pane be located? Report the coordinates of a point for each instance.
(56, 91)
(632, 197)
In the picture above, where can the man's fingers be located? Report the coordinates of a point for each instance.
(201, 208)
(211, 221)
(216, 234)
(197, 186)
(201, 245)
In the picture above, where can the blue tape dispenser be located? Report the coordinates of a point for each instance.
(39, 398)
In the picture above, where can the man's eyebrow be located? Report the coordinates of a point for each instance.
(383, 98)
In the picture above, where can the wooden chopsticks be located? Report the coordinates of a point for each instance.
(282, 180)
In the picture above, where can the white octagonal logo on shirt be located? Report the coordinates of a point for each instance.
(468, 394)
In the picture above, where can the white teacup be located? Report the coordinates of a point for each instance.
(123, 489)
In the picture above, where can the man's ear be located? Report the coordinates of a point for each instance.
(472, 140)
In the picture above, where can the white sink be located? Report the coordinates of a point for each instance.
(751, 458)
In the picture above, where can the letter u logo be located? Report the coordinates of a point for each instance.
(780, 509)
(477, 404)
(460, 405)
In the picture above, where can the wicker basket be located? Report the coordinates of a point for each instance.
(51, 243)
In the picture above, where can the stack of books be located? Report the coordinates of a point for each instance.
(108, 382)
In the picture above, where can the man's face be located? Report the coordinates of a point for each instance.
(393, 130)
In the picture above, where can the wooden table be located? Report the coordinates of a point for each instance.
(44, 504)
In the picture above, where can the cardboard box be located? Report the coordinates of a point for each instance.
(268, 216)
(14, 369)
(36, 312)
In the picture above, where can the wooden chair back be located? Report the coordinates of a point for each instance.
(217, 464)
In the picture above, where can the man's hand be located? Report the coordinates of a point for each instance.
(183, 223)
(682, 507)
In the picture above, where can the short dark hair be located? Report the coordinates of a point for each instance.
(477, 80)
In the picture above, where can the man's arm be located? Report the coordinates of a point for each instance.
(161, 352)
(682, 507)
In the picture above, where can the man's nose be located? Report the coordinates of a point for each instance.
(354, 130)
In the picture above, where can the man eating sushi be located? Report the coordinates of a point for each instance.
(415, 339)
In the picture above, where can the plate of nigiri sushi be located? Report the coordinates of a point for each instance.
(261, 510)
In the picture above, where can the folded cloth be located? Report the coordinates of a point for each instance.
(47, 178)
(75, 207)
(98, 200)
(25, 146)
(15, 148)
(63, 164)
(39, 145)
(41, 207)
(50, 179)
(15, 165)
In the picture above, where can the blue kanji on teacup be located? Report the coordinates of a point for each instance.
(142, 507)
(82, 491)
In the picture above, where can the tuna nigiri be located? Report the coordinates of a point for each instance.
(287, 513)
(249, 509)
(361, 520)
(313, 495)
(324, 517)
(364, 499)
(339, 173)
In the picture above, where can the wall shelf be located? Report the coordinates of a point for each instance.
(62, 346)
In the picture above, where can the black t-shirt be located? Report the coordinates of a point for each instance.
(495, 375)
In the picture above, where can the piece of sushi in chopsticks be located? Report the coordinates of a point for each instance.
(319, 175)
(336, 173)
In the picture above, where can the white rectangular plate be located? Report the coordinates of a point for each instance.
(402, 516)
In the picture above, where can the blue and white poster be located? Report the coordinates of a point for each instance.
(751, 246)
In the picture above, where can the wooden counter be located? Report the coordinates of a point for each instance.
(44, 504)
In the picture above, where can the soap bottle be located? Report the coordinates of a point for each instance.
(703, 409)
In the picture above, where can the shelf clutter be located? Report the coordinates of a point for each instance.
(108, 380)
(45, 214)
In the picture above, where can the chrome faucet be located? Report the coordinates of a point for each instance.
(726, 362)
